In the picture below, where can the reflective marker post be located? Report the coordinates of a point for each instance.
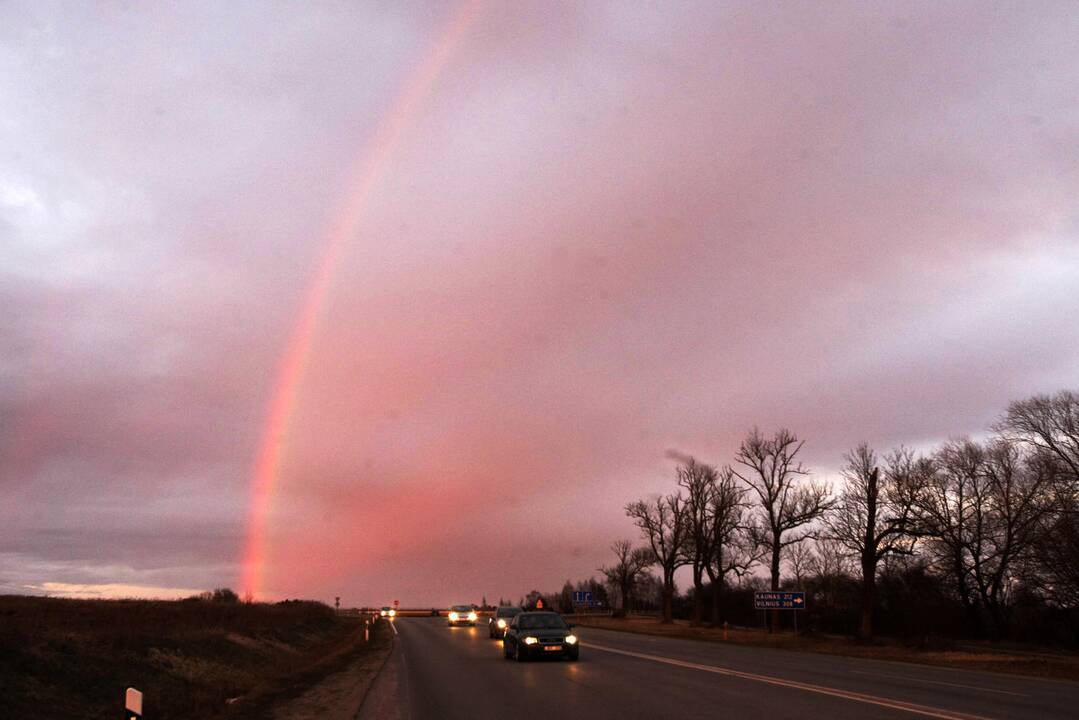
(133, 705)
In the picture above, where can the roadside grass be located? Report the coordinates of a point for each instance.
(64, 658)
(965, 656)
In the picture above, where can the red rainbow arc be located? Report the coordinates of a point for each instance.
(369, 168)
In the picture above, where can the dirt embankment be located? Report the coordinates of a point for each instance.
(74, 658)
(1060, 665)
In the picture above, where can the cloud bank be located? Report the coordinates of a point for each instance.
(608, 232)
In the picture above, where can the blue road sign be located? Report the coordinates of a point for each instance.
(779, 600)
(582, 597)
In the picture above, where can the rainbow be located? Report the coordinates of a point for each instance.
(371, 163)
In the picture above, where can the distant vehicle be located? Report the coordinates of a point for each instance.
(497, 624)
(539, 634)
(434, 612)
(387, 611)
(461, 615)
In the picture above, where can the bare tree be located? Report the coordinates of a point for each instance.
(800, 562)
(629, 563)
(1049, 426)
(949, 515)
(875, 516)
(1018, 501)
(664, 524)
(699, 482)
(733, 550)
(1049, 423)
(985, 510)
(787, 506)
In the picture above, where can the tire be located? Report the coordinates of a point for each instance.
(506, 654)
(574, 655)
(519, 654)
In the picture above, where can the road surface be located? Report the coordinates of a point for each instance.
(441, 672)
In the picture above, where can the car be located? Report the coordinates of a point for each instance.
(461, 615)
(497, 623)
(387, 612)
(434, 612)
(540, 634)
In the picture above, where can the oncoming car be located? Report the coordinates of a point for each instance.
(387, 611)
(497, 624)
(539, 634)
(461, 615)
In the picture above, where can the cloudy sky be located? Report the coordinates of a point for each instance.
(595, 232)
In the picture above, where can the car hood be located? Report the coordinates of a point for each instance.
(546, 633)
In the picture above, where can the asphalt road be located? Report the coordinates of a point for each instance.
(441, 672)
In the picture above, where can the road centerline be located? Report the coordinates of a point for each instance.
(914, 708)
(938, 682)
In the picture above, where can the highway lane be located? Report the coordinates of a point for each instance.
(441, 672)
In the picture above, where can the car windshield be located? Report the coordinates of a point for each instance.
(542, 622)
(462, 608)
(507, 612)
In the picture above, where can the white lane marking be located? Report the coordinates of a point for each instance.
(940, 682)
(914, 708)
(394, 626)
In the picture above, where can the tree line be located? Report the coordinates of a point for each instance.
(987, 527)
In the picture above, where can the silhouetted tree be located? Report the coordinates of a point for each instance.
(629, 563)
(786, 506)
(663, 522)
(699, 482)
(876, 516)
(224, 595)
(733, 549)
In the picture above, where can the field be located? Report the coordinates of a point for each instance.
(1005, 659)
(74, 658)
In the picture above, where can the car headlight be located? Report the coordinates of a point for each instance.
(501, 624)
(472, 617)
(382, 613)
(530, 640)
(393, 613)
(453, 616)
(571, 639)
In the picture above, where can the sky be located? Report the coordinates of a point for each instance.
(592, 233)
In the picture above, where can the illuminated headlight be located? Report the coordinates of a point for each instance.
(393, 613)
(453, 617)
(472, 617)
(571, 639)
(501, 624)
(530, 640)
(382, 613)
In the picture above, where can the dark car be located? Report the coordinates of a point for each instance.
(497, 623)
(539, 634)
(461, 615)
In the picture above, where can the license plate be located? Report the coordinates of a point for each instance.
(552, 647)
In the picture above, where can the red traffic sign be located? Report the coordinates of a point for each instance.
(396, 603)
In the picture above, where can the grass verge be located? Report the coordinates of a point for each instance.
(74, 658)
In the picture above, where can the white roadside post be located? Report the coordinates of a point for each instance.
(133, 705)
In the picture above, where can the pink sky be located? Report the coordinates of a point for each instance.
(606, 231)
